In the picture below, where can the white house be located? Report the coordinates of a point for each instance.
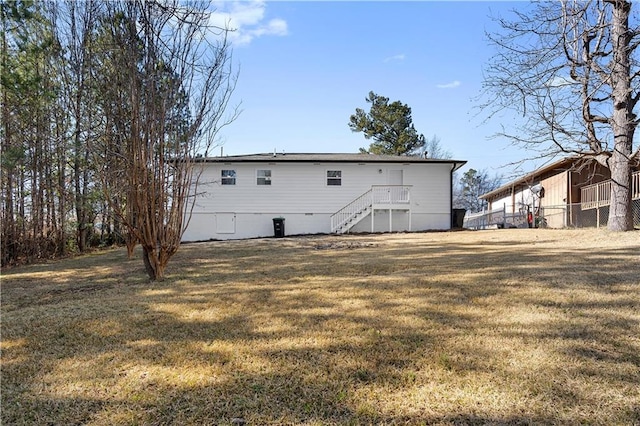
(239, 196)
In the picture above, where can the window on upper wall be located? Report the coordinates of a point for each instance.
(263, 177)
(228, 177)
(334, 177)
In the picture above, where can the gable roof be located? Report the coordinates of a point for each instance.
(330, 158)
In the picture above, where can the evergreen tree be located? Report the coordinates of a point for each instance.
(390, 126)
(471, 186)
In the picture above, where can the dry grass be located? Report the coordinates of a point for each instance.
(494, 327)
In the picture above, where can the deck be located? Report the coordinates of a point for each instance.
(599, 194)
(379, 197)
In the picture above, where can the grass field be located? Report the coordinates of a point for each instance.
(490, 327)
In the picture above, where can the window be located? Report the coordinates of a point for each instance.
(334, 177)
(228, 177)
(264, 177)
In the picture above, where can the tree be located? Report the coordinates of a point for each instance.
(178, 86)
(389, 125)
(105, 108)
(32, 211)
(433, 149)
(471, 186)
(571, 70)
(109, 150)
(77, 35)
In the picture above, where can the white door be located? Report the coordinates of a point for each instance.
(395, 177)
(225, 223)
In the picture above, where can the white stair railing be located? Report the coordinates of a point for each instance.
(391, 194)
(343, 217)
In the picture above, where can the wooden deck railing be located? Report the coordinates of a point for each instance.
(599, 194)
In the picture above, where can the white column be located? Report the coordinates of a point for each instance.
(373, 213)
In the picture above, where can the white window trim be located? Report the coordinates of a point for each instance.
(222, 177)
(326, 177)
(267, 179)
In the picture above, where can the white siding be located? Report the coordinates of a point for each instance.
(299, 193)
(499, 203)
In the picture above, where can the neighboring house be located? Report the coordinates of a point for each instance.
(564, 193)
(239, 196)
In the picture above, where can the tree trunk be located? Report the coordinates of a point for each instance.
(620, 218)
(130, 241)
(152, 264)
(8, 217)
(61, 187)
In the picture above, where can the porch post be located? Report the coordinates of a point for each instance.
(597, 206)
(504, 215)
(373, 214)
(390, 220)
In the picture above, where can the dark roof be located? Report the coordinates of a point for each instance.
(330, 158)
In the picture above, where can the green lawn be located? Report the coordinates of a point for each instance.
(492, 327)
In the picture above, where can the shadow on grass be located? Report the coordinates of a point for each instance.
(279, 332)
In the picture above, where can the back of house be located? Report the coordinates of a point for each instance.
(240, 196)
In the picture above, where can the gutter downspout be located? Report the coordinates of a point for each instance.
(451, 197)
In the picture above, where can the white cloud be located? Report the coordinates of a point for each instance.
(246, 20)
(451, 85)
(399, 57)
(276, 27)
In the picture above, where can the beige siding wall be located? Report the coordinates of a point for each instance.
(555, 200)
(555, 189)
(562, 187)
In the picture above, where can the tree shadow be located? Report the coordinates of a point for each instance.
(286, 334)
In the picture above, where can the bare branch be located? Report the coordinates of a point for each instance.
(571, 69)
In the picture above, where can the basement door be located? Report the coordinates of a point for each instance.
(225, 223)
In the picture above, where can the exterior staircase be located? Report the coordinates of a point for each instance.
(349, 216)
(379, 197)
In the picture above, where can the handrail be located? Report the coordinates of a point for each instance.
(599, 194)
(378, 195)
(391, 194)
(342, 216)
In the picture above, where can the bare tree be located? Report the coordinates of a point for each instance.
(570, 69)
(177, 75)
(471, 186)
(433, 149)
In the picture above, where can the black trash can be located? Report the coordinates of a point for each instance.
(457, 218)
(278, 227)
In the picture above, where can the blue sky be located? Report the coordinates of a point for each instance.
(306, 66)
